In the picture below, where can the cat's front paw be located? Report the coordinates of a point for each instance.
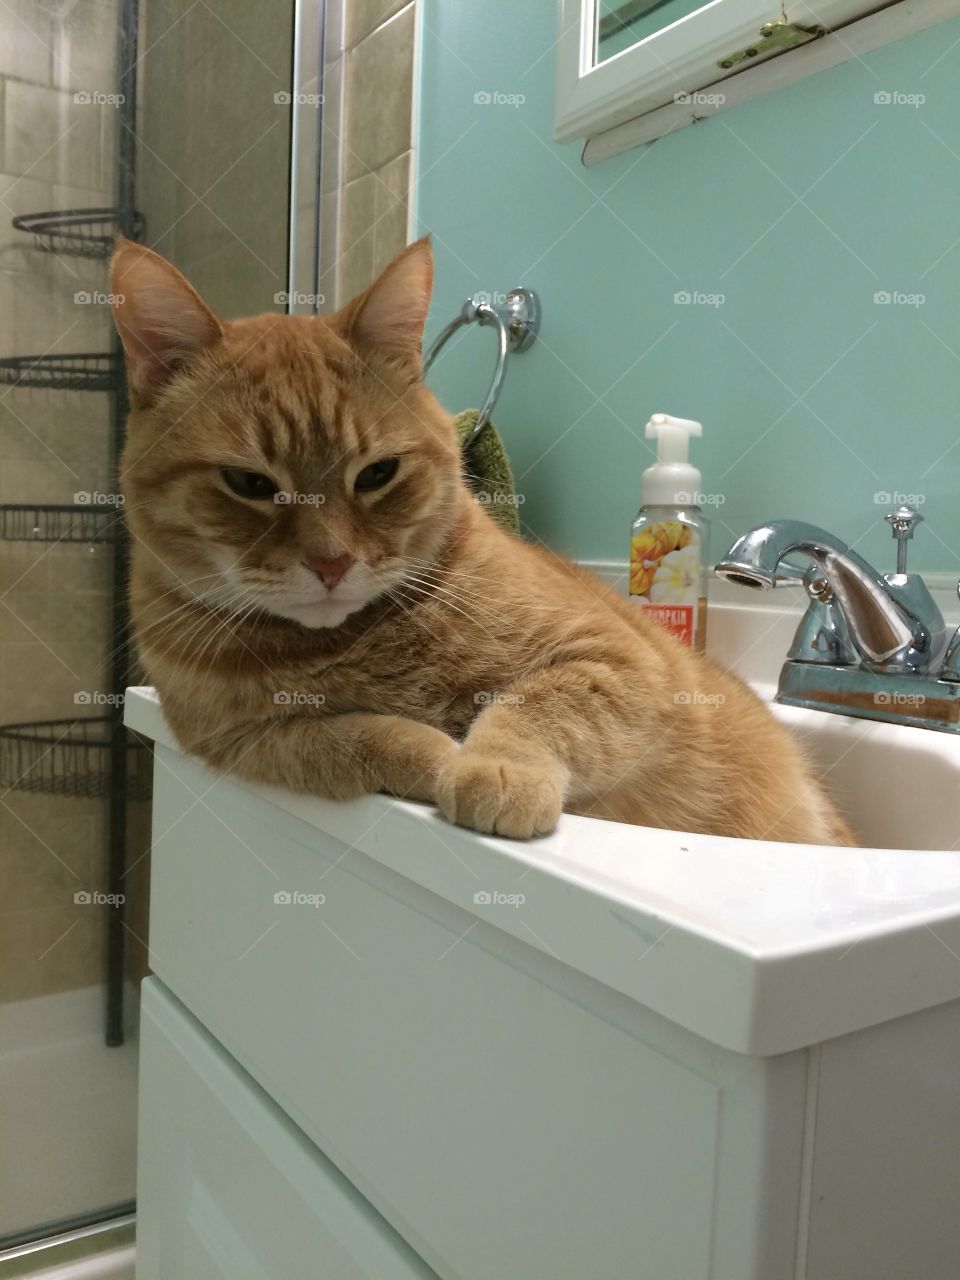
(497, 796)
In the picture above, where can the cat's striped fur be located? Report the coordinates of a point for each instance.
(448, 661)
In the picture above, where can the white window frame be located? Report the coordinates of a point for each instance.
(632, 97)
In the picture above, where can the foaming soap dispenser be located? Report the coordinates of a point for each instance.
(668, 544)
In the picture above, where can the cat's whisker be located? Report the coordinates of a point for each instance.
(131, 640)
(230, 633)
(206, 615)
(155, 631)
(430, 594)
(477, 606)
(233, 615)
(433, 572)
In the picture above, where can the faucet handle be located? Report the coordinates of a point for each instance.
(902, 521)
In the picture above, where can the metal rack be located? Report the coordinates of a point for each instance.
(79, 371)
(91, 755)
(69, 758)
(83, 233)
(60, 522)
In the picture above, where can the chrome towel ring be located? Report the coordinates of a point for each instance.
(517, 320)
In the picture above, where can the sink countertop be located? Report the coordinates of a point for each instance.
(759, 947)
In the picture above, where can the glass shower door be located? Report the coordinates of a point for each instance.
(170, 121)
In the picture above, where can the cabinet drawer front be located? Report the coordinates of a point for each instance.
(229, 1188)
(507, 1115)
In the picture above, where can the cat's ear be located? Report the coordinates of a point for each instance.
(390, 315)
(161, 319)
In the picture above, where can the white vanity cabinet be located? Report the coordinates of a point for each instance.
(229, 1188)
(377, 1045)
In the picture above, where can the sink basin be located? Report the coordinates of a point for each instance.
(898, 787)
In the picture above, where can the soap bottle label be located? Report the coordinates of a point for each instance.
(666, 577)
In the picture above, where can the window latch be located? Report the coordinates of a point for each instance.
(778, 36)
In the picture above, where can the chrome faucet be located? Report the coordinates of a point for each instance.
(869, 644)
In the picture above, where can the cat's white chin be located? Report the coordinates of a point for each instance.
(320, 613)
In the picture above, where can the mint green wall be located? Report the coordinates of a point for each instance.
(798, 207)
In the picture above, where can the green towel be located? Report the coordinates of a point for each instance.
(488, 471)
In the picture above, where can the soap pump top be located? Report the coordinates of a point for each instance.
(672, 481)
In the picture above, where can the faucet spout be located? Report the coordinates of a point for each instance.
(891, 628)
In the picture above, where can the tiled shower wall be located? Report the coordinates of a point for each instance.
(213, 165)
(375, 139)
(57, 150)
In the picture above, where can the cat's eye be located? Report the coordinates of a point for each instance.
(376, 474)
(248, 484)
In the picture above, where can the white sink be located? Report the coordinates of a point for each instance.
(898, 787)
(715, 1045)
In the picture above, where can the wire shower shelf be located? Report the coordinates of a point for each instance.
(82, 371)
(69, 758)
(66, 522)
(86, 233)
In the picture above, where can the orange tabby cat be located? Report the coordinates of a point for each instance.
(322, 604)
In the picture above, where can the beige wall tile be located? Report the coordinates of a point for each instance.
(329, 250)
(84, 45)
(357, 216)
(83, 568)
(234, 283)
(24, 616)
(18, 253)
(50, 949)
(45, 686)
(379, 96)
(363, 16)
(26, 34)
(50, 136)
(50, 851)
(24, 563)
(390, 227)
(357, 210)
(215, 197)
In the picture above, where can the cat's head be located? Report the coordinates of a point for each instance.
(288, 463)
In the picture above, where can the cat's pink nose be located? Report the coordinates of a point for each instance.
(331, 570)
